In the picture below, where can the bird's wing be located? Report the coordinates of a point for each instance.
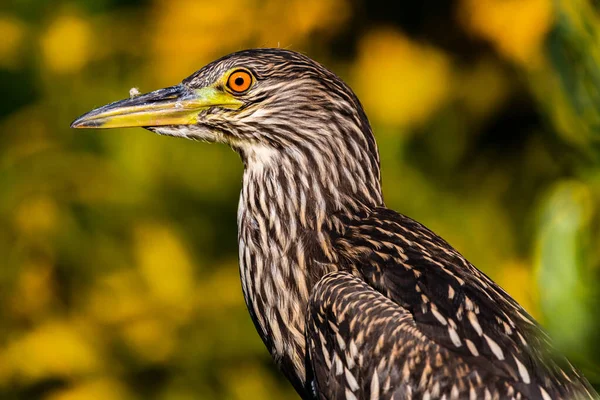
(362, 345)
(454, 305)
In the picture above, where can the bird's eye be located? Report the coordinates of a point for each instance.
(239, 81)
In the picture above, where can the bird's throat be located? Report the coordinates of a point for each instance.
(276, 219)
(289, 211)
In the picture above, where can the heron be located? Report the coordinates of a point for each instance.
(352, 299)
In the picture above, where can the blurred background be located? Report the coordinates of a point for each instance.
(118, 249)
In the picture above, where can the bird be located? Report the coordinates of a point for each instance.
(352, 299)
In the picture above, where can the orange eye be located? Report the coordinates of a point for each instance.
(239, 81)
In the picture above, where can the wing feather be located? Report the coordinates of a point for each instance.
(454, 305)
(362, 345)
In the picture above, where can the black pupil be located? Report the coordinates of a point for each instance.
(239, 81)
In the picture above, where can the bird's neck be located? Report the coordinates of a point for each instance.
(291, 207)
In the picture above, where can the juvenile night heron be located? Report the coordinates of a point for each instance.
(353, 300)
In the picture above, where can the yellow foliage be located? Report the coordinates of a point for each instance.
(252, 383)
(188, 33)
(485, 74)
(164, 265)
(399, 81)
(222, 291)
(36, 215)
(150, 338)
(518, 280)
(54, 348)
(118, 298)
(101, 389)
(282, 24)
(305, 16)
(34, 289)
(12, 32)
(67, 44)
(572, 204)
(517, 28)
(145, 323)
(149, 303)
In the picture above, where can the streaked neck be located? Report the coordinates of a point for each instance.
(290, 204)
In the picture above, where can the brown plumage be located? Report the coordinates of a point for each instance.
(353, 300)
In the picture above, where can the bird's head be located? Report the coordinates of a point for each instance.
(261, 102)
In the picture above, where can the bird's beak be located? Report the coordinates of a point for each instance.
(175, 105)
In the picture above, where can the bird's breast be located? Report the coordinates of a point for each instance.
(275, 289)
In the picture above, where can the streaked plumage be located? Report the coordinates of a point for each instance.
(353, 300)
